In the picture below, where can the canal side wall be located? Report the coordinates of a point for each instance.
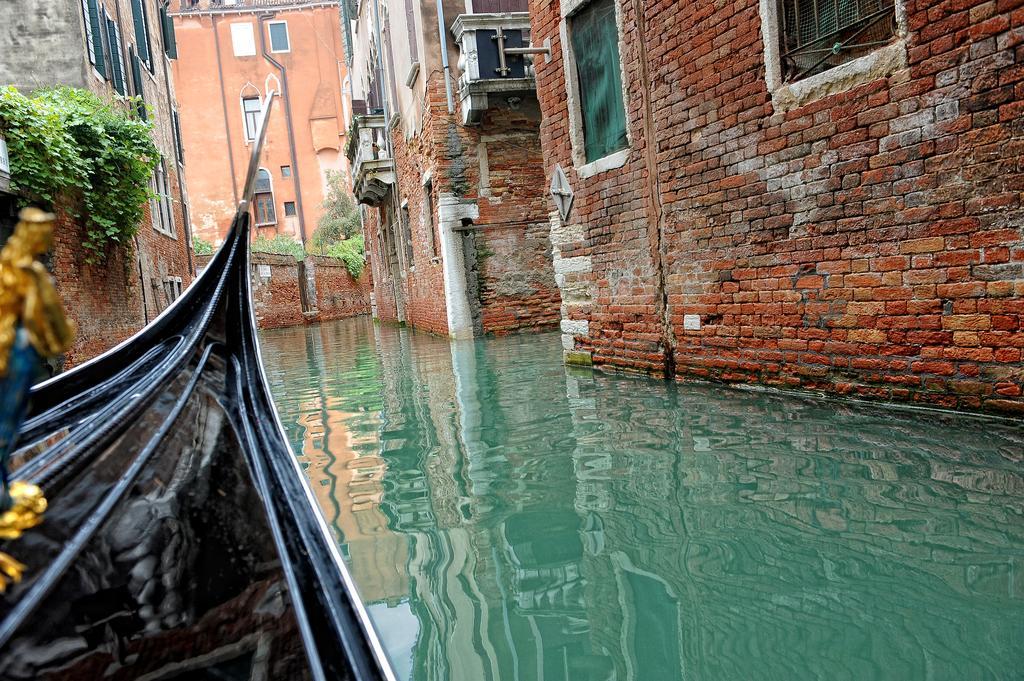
(858, 233)
(287, 292)
(478, 258)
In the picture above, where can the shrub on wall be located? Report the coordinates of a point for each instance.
(340, 218)
(89, 157)
(281, 244)
(351, 252)
(201, 246)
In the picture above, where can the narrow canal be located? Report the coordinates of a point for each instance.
(508, 518)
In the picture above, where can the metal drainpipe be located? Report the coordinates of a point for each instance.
(383, 75)
(177, 166)
(441, 31)
(288, 123)
(224, 109)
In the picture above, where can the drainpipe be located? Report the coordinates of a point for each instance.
(224, 110)
(288, 123)
(444, 56)
(177, 166)
(383, 86)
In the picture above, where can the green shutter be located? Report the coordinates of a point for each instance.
(116, 61)
(137, 81)
(141, 35)
(97, 38)
(595, 44)
(167, 26)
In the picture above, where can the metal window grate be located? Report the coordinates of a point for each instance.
(817, 35)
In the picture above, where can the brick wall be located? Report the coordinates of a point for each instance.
(113, 299)
(868, 243)
(338, 295)
(497, 167)
(278, 299)
(104, 299)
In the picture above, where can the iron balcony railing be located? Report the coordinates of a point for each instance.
(817, 35)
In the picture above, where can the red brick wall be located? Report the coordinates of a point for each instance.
(516, 283)
(278, 301)
(104, 299)
(868, 244)
(108, 300)
(338, 295)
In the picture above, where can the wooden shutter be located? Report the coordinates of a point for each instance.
(116, 58)
(179, 144)
(595, 44)
(98, 60)
(141, 33)
(167, 28)
(137, 84)
(87, 15)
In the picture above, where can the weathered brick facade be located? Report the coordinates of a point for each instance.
(864, 242)
(509, 281)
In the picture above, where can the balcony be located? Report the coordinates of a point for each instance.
(373, 169)
(494, 60)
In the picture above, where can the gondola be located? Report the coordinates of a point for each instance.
(181, 539)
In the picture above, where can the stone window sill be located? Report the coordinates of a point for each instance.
(610, 162)
(878, 64)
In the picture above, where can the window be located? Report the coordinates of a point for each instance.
(263, 199)
(289, 209)
(142, 33)
(286, 171)
(172, 288)
(278, 36)
(94, 36)
(595, 46)
(167, 32)
(160, 206)
(243, 41)
(116, 58)
(252, 109)
(816, 35)
(428, 214)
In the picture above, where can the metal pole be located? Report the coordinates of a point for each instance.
(444, 56)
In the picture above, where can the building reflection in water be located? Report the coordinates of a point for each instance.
(508, 518)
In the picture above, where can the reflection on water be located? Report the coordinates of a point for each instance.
(508, 518)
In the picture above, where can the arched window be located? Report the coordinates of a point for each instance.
(263, 199)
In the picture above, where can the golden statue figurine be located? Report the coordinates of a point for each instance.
(32, 327)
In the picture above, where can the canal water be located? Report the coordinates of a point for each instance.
(506, 517)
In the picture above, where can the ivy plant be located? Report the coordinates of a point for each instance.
(87, 157)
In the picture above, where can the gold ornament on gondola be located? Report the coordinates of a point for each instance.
(28, 302)
(27, 294)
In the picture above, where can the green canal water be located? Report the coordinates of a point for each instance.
(508, 518)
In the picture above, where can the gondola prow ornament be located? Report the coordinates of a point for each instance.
(33, 327)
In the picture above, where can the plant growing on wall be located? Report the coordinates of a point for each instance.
(87, 157)
(201, 246)
(351, 252)
(281, 244)
(340, 219)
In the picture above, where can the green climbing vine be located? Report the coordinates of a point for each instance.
(90, 158)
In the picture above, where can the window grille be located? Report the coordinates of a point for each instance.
(817, 35)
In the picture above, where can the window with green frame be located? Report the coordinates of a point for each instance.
(595, 46)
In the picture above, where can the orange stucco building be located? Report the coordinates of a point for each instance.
(231, 53)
